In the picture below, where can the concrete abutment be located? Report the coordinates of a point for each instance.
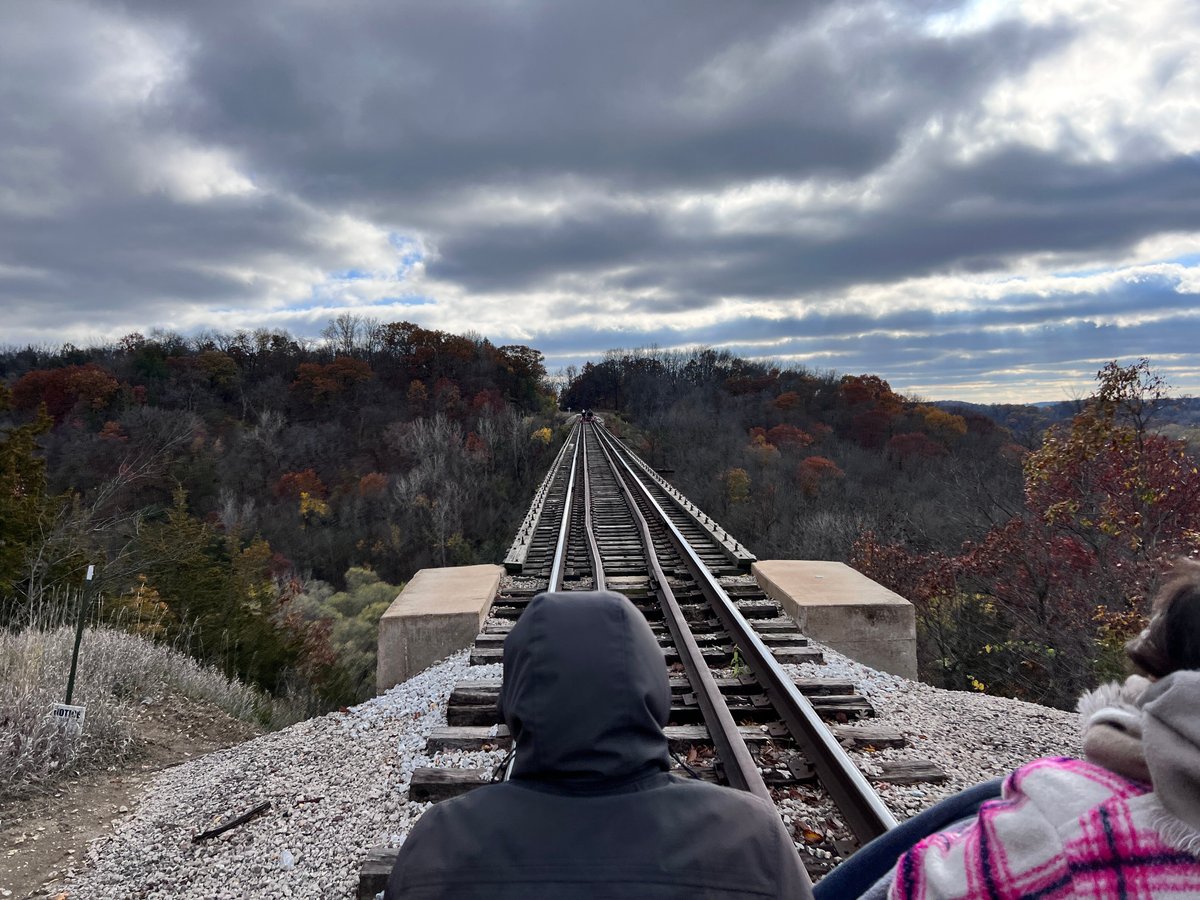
(844, 609)
(440, 611)
(437, 613)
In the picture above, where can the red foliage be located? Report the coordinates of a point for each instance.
(487, 401)
(820, 431)
(914, 445)
(918, 578)
(870, 427)
(787, 401)
(1133, 497)
(521, 361)
(112, 431)
(870, 390)
(373, 484)
(815, 471)
(279, 565)
(1107, 503)
(789, 437)
(979, 424)
(325, 382)
(447, 396)
(61, 389)
(293, 484)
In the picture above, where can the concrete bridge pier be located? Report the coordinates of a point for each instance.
(844, 609)
(439, 612)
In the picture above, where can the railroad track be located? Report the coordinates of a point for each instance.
(605, 520)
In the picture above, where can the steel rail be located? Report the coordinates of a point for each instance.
(514, 561)
(865, 812)
(593, 546)
(741, 770)
(560, 549)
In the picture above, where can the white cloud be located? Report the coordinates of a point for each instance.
(193, 174)
(1128, 80)
(133, 63)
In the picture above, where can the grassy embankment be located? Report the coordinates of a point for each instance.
(117, 673)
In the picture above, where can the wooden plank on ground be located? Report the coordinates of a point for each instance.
(482, 691)
(787, 639)
(798, 655)
(468, 737)
(816, 687)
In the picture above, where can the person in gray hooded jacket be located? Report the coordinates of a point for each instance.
(590, 808)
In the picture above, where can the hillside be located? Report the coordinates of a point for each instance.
(259, 499)
(799, 464)
(256, 497)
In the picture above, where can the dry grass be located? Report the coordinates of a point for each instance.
(117, 671)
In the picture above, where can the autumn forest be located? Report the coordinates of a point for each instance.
(259, 499)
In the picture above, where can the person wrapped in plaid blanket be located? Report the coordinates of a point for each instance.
(1123, 822)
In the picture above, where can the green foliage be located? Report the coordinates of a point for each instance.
(352, 617)
(737, 666)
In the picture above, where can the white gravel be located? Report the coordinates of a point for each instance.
(337, 785)
(970, 736)
(337, 788)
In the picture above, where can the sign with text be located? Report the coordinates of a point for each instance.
(70, 717)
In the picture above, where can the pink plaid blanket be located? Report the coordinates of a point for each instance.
(1064, 828)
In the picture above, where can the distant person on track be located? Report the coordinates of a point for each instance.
(590, 808)
(1123, 822)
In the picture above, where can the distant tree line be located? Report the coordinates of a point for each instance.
(213, 478)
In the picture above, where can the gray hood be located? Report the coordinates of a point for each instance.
(1171, 741)
(585, 692)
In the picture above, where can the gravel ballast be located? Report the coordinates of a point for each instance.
(337, 785)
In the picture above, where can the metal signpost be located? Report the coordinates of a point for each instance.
(72, 716)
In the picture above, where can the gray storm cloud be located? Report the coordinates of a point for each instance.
(162, 160)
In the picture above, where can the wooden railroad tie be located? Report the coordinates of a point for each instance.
(473, 701)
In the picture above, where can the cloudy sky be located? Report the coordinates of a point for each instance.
(981, 200)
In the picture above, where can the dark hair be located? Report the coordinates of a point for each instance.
(1172, 639)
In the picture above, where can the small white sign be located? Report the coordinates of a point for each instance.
(71, 717)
